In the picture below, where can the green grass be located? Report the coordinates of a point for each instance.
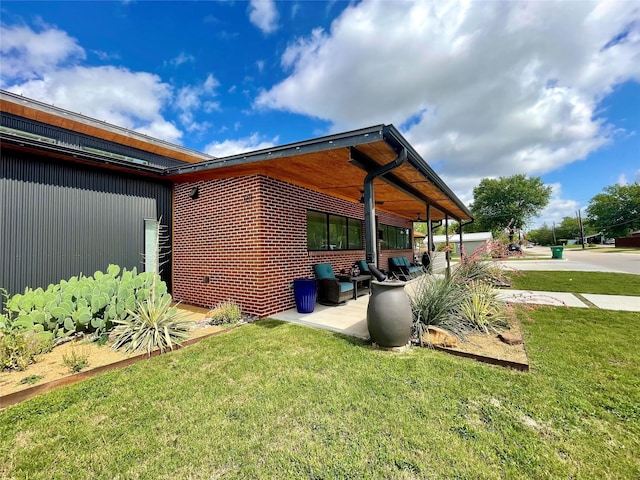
(273, 400)
(578, 282)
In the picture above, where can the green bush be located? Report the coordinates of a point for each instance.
(155, 323)
(19, 348)
(224, 313)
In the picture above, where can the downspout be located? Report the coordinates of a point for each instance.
(429, 238)
(370, 233)
(447, 253)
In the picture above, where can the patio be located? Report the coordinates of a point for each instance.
(349, 318)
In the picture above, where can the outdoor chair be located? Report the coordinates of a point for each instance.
(363, 267)
(332, 290)
(402, 269)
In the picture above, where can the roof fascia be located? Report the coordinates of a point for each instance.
(331, 142)
(394, 138)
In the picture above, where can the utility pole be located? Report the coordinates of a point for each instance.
(581, 229)
(554, 233)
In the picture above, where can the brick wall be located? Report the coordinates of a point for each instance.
(248, 237)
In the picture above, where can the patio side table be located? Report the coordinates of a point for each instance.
(361, 285)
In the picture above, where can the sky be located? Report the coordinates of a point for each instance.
(481, 89)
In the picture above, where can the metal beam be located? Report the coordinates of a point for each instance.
(370, 234)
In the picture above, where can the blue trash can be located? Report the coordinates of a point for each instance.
(305, 291)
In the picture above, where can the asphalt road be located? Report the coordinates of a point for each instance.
(621, 262)
(581, 260)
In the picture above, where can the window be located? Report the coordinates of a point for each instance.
(333, 232)
(394, 238)
(151, 240)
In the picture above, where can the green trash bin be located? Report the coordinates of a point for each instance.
(556, 252)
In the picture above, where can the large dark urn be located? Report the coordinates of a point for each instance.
(389, 315)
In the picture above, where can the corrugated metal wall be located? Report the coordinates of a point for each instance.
(59, 219)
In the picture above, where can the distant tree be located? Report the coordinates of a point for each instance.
(568, 229)
(497, 201)
(616, 211)
(541, 236)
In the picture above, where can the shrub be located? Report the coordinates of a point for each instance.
(155, 323)
(478, 267)
(19, 348)
(76, 360)
(435, 301)
(224, 313)
(481, 308)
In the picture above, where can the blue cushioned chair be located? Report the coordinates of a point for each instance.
(363, 267)
(402, 269)
(331, 289)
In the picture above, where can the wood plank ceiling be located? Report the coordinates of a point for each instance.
(331, 172)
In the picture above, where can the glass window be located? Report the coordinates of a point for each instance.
(317, 234)
(355, 234)
(395, 238)
(151, 241)
(333, 232)
(337, 233)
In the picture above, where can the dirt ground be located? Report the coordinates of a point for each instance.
(491, 346)
(51, 366)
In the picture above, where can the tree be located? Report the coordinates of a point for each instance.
(497, 201)
(616, 211)
(542, 235)
(568, 229)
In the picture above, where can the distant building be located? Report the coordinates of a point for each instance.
(470, 241)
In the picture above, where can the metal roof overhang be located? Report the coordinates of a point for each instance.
(75, 155)
(337, 165)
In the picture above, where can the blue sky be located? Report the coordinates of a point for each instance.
(480, 89)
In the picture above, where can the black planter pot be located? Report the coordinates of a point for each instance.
(389, 315)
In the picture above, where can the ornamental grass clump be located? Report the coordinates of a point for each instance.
(481, 310)
(435, 301)
(155, 323)
(225, 313)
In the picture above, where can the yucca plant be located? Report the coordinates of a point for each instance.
(482, 309)
(155, 323)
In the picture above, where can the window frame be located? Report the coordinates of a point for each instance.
(349, 222)
(393, 236)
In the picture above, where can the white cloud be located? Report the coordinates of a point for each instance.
(557, 209)
(264, 15)
(240, 145)
(181, 59)
(131, 100)
(27, 54)
(484, 88)
(45, 65)
(193, 98)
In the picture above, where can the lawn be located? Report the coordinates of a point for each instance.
(275, 400)
(579, 282)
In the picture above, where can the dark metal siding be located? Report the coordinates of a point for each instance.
(59, 219)
(78, 140)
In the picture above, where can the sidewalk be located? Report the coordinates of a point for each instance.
(605, 302)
